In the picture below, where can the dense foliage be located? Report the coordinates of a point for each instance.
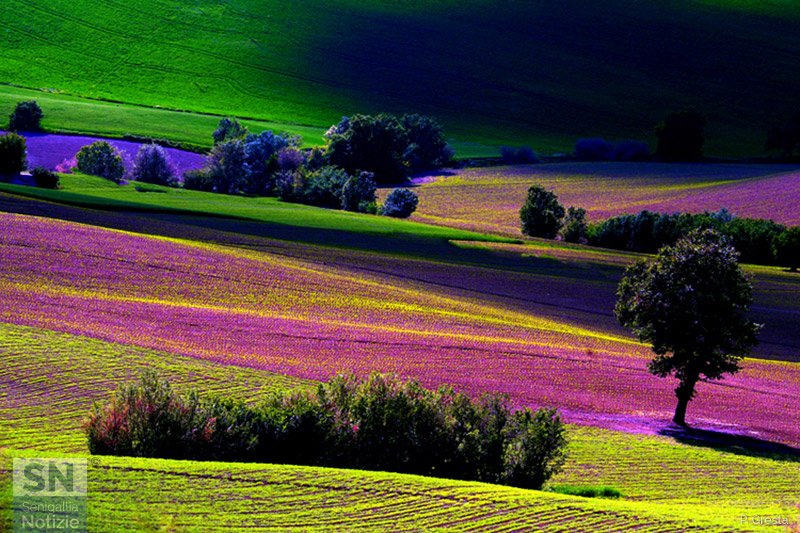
(541, 215)
(388, 146)
(681, 136)
(691, 304)
(648, 231)
(228, 129)
(597, 149)
(575, 225)
(101, 159)
(264, 155)
(400, 203)
(380, 423)
(518, 155)
(13, 155)
(27, 116)
(45, 179)
(787, 248)
(329, 187)
(152, 165)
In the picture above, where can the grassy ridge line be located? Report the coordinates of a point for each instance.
(191, 130)
(149, 494)
(676, 478)
(92, 192)
(75, 115)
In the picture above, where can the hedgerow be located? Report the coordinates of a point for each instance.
(378, 423)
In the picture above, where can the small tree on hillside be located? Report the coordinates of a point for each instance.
(152, 165)
(225, 167)
(400, 203)
(101, 159)
(13, 155)
(27, 116)
(681, 136)
(575, 226)
(691, 304)
(375, 144)
(541, 215)
(787, 248)
(229, 129)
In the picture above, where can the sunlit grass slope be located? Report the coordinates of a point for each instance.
(52, 379)
(521, 72)
(91, 191)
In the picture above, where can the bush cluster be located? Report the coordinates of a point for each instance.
(388, 146)
(757, 240)
(329, 187)
(380, 423)
(45, 179)
(13, 155)
(597, 149)
(27, 116)
(518, 155)
(101, 159)
(400, 203)
(152, 165)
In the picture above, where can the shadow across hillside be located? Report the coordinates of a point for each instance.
(581, 293)
(732, 443)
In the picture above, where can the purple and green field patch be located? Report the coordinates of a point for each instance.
(310, 320)
(489, 199)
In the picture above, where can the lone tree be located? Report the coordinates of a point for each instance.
(681, 136)
(27, 116)
(13, 155)
(787, 248)
(691, 303)
(541, 215)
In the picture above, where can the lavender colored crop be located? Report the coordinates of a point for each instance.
(50, 150)
(313, 320)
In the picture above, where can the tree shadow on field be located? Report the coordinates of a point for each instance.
(732, 443)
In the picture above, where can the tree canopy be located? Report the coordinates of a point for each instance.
(691, 304)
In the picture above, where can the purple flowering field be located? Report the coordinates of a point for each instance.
(48, 150)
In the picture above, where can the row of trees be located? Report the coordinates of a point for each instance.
(360, 153)
(380, 423)
(758, 241)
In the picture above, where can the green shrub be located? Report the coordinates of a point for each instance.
(152, 165)
(587, 491)
(27, 116)
(575, 226)
(787, 248)
(535, 444)
(144, 420)
(101, 159)
(45, 178)
(13, 155)
(541, 215)
(400, 203)
(198, 180)
(380, 423)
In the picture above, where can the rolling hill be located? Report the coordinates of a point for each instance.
(541, 73)
(42, 417)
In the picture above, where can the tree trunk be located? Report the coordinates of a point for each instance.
(684, 392)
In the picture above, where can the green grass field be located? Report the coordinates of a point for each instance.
(656, 476)
(541, 74)
(91, 191)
